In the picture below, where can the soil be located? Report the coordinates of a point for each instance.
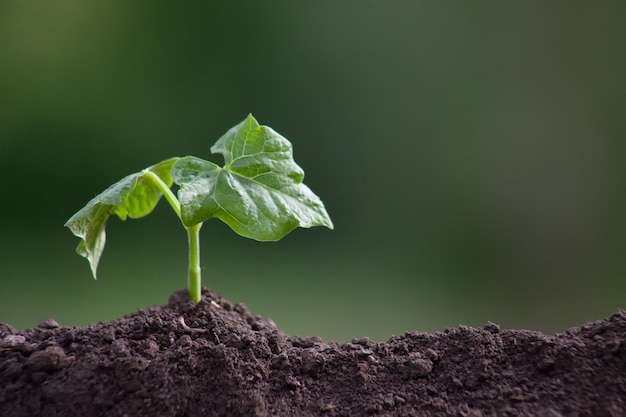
(217, 359)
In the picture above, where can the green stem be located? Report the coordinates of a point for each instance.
(167, 193)
(193, 282)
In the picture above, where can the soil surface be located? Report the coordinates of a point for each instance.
(217, 359)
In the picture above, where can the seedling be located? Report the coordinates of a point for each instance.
(258, 193)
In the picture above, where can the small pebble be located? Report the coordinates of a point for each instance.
(49, 324)
(398, 399)
(364, 341)
(492, 328)
(12, 341)
(371, 360)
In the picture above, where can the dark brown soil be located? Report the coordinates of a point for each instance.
(216, 359)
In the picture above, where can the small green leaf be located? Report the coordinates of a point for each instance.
(133, 196)
(259, 192)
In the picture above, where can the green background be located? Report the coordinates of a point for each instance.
(472, 156)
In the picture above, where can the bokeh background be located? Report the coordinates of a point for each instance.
(472, 156)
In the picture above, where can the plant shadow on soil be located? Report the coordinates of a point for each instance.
(217, 359)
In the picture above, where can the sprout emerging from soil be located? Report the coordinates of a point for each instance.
(258, 193)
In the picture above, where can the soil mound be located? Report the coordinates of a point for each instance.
(217, 359)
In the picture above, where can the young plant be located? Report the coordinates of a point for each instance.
(258, 193)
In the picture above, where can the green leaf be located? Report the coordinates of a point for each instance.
(133, 196)
(259, 192)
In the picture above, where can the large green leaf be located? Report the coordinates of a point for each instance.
(133, 196)
(259, 192)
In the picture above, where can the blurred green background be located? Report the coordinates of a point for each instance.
(471, 155)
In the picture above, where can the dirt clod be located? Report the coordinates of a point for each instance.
(50, 359)
(217, 359)
(12, 341)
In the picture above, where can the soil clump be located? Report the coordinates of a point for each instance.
(217, 359)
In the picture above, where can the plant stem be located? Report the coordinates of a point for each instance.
(193, 279)
(193, 282)
(167, 193)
